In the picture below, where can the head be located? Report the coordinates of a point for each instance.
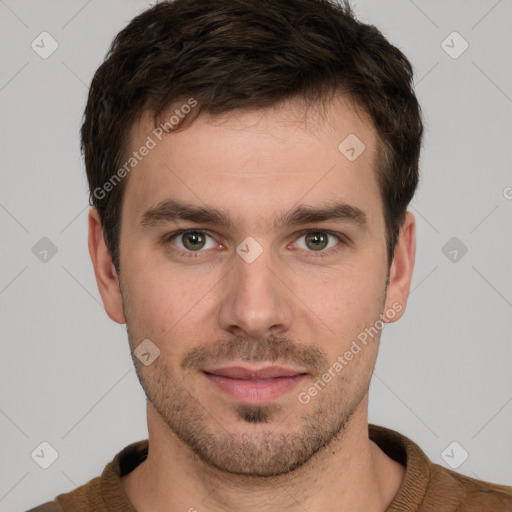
(282, 137)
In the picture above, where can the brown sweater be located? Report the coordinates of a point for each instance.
(427, 487)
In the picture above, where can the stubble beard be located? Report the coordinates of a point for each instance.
(265, 448)
(268, 447)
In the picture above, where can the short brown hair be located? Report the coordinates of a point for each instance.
(242, 54)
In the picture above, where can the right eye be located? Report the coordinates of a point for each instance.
(191, 240)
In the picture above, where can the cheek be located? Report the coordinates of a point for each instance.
(348, 302)
(345, 295)
(165, 301)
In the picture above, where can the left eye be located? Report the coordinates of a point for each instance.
(318, 241)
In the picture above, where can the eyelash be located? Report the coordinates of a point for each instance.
(195, 254)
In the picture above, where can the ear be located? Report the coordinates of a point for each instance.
(400, 274)
(104, 270)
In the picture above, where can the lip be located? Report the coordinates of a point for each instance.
(244, 373)
(255, 386)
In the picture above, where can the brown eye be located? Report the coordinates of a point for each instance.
(320, 241)
(317, 240)
(191, 241)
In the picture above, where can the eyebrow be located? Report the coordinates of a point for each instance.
(171, 210)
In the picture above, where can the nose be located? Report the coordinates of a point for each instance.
(257, 300)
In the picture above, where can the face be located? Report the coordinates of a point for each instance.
(250, 243)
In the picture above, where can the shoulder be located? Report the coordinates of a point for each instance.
(93, 495)
(49, 506)
(76, 500)
(467, 494)
(429, 487)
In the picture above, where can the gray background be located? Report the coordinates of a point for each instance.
(444, 370)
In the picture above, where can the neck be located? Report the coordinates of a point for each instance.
(351, 473)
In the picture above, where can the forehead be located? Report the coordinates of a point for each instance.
(254, 162)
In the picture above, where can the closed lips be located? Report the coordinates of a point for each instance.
(239, 372)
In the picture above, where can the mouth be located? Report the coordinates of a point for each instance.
(255, 386)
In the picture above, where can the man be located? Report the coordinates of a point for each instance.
(250, 167)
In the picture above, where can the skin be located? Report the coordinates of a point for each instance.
(289, 307)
